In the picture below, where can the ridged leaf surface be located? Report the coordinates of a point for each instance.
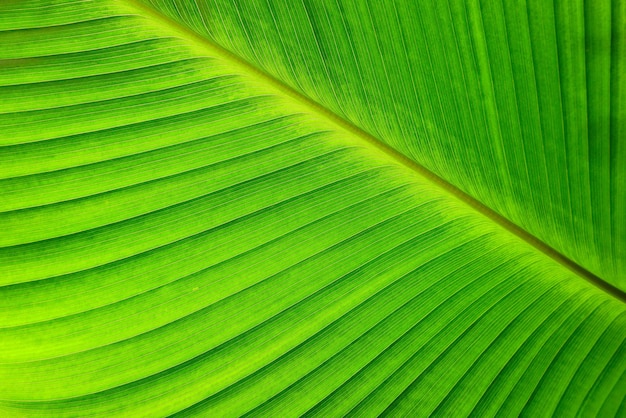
(222, 209)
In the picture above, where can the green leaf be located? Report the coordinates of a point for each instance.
(219, 208)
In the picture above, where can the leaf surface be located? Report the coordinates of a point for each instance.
(518, 104)
(183, 233)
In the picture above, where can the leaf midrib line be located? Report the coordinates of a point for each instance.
(367, 139)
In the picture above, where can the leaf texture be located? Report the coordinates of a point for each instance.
(518, 103)
(182, 235)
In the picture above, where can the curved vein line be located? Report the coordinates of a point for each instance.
(246, 252)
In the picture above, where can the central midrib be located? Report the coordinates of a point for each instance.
(360, 135)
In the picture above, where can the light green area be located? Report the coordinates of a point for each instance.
(182, 234)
